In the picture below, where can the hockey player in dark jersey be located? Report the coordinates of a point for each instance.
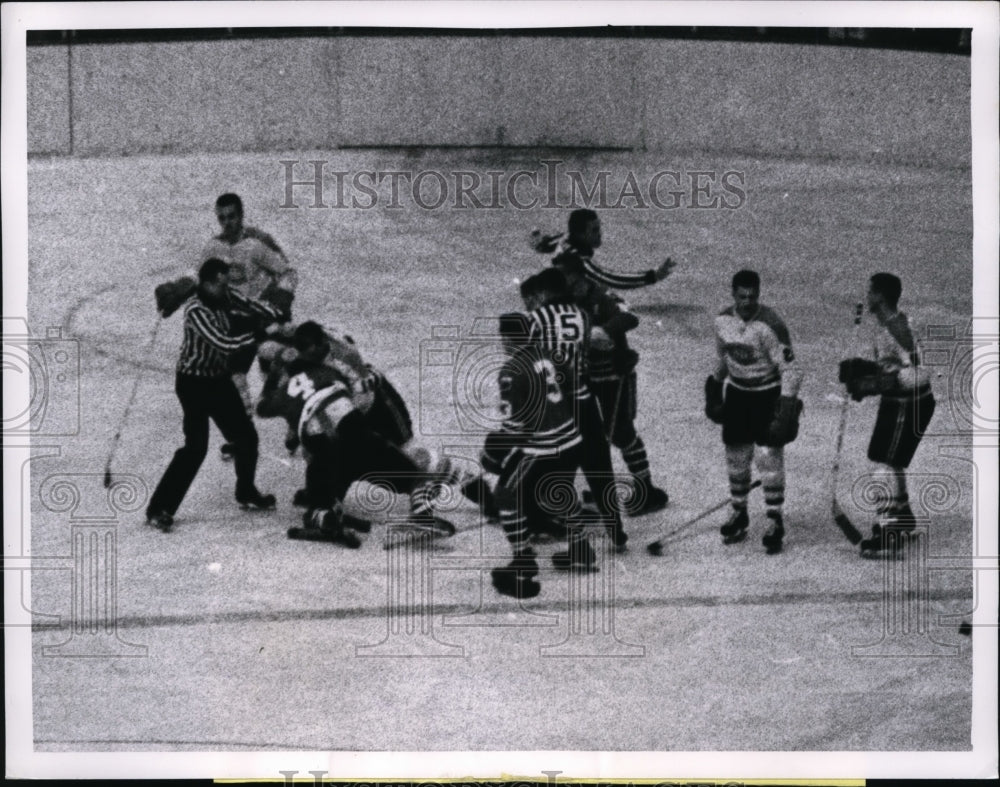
(383, 407)
(575, 251)
(536, 454)
(561, 328)
(613, 381)
(340, 445)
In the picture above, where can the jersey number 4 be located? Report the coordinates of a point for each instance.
(301, 386)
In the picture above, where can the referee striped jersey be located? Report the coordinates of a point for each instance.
(579, 258)
(208, 341)
(562, 330)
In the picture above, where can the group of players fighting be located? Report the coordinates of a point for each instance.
(567, 392)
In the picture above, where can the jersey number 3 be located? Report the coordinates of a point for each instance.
(545, 368)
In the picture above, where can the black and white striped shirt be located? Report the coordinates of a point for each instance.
(580, 259)
(208, 342)
(562, 330)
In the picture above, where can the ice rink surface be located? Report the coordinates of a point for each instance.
(240, 639)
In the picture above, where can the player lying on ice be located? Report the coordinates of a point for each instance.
(351, 428)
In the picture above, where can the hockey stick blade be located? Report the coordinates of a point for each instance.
(655, 548)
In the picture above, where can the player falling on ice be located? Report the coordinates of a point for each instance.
(341, 447)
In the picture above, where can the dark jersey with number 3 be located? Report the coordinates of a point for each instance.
(562, 331)
(534, 407)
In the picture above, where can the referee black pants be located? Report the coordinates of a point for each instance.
(204, 398)
(595, 461)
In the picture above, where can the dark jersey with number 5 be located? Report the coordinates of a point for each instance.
(534, 407)
(562, 331)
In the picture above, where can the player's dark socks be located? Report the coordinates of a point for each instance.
(479, 492)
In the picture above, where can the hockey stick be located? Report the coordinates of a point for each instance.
(128, 409)
(655, 548)
(843, 522)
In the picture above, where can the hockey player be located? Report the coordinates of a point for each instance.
(340, 445)
(562, 329)
(613, 381)
(893, 372)
(535, 453)
(256, 258)
(258, 269)
(753, 393)
(378, 400)
(575, 251)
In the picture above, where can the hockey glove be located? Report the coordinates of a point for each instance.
(854, 368)
(784, 426)
(171, 294)
(281, 299)
(544, 244)
(714, 401)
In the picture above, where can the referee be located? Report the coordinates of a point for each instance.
(206, 391)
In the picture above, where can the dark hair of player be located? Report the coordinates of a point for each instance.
(211, 269)
(888, 286)
(579, 219)
(230, 199)
(549, 281)
(746, 278)
(308, 334)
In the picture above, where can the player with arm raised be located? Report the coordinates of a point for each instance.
(575, 251)
(562, 329)
(893, 372)
(536, 454)
(753, 393)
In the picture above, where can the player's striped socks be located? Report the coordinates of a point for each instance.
(738, 459)
(637, 460)
(515, 527)
(421, 499)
